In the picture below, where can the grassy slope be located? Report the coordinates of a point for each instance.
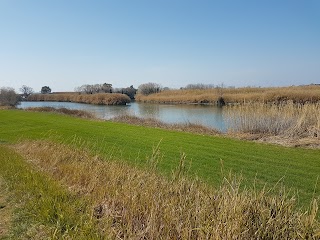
(42, 206)
(300, 167)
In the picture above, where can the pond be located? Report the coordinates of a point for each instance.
(210, 116)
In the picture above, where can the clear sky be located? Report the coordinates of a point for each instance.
(68, 43)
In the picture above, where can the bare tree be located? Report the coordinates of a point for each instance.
(8, 97)
(149, 88)
(95, 88)
(107, 88)
(199, 86)
(129, 91)
(26, 91)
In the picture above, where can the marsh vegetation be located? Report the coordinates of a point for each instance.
(234, 96)
(97, 98)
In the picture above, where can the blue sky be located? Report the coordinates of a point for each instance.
(65, 44)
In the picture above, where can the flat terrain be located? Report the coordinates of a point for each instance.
(261, 163)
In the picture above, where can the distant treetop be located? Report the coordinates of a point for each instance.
(45, 90)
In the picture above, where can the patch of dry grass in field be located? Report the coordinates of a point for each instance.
(134, 203)
(5, 211)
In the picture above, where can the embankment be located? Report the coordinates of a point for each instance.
(68, 193)
(299, 168)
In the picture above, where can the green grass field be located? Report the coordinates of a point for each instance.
(297, 168)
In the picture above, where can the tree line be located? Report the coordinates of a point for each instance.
(106, 88)
(8, 96)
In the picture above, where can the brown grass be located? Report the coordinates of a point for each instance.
(132, 203)
(301, 94)
(151, 122)
(99, 98)
(285, 124)
(6, 107)
(71, 112)
(291, 120)
(5, 210)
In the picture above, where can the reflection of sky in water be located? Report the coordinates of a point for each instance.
(210, 116)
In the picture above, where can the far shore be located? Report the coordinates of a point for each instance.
(236, 96)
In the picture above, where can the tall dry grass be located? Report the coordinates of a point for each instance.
(300, 94)
(134, 203)
(289, 120)
(98, 98)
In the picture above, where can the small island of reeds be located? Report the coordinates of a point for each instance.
(98, 98)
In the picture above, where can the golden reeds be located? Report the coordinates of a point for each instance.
(98, 98)
(134, 203)
(289, 120)
(301, 94)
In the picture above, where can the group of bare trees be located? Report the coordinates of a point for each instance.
(149, 88)
(94, 88)
(106, 88)
(9, 97)
(199, 86)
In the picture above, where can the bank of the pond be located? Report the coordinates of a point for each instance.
(98, 98)
(298, 168)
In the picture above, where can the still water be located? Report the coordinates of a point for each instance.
(210, 116)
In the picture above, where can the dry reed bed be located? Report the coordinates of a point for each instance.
(99, 98)
(132, 203)
(301, 94)
(293, 121)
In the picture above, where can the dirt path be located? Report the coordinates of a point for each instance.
(5, 211)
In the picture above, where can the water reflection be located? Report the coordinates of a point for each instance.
(210, 116)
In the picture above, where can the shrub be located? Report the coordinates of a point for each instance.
(8, 97)
(45, 90)
(149, 88)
